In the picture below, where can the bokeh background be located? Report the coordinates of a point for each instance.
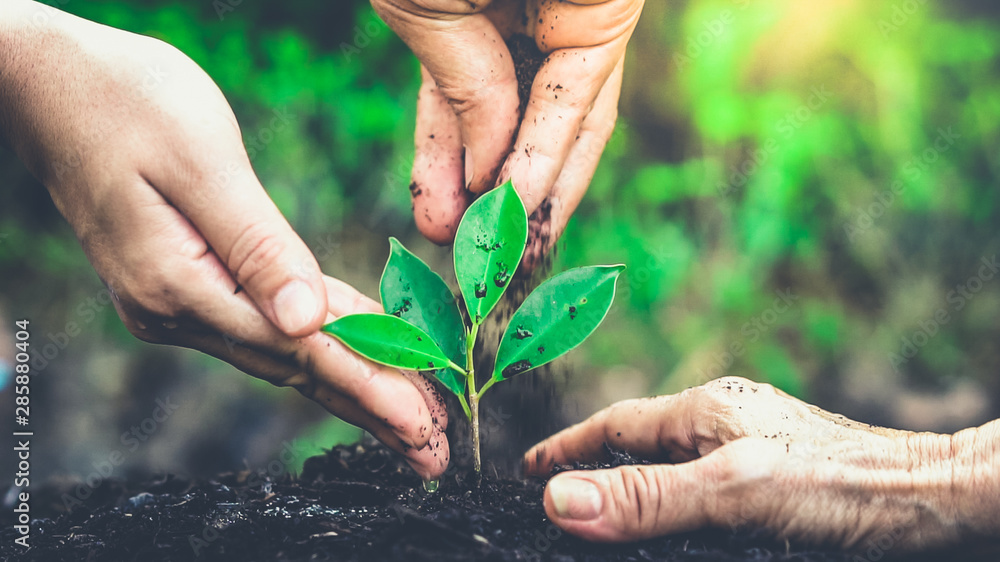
(799, 190)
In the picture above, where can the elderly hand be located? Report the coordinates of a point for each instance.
(467, 113)
(740, 454)
(143, 156)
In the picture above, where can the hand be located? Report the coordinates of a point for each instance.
(467, 113)
(743, 454)
(144, 157)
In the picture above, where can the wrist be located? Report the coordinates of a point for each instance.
(976, 480)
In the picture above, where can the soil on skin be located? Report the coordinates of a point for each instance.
(357, 502)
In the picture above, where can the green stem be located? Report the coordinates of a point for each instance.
(486, 386)
(465, 406)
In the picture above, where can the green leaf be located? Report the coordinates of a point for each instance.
(388, 340)
(412, 291)
(488, 247)
(555, 318)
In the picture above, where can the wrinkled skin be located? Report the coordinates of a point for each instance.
(143, 156)
(468, 135)
(737, 454)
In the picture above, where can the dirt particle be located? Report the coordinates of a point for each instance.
(503, 275)
(516, 368)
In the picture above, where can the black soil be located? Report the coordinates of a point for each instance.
(355, 503)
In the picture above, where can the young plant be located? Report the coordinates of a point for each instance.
(424, 330)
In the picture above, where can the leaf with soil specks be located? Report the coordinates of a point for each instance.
(555, 318)
(489, 244)
(412, 291)
(388, 340)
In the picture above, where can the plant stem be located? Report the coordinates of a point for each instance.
(486, 386)
(473, 412)
(474, 406)
(465, 406)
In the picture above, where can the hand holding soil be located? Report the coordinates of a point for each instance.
(738, 454)
(143, 156)
(470, 136)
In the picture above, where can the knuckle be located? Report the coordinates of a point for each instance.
(154, 294)
(255, 251)
(141, 331)
(640, 493)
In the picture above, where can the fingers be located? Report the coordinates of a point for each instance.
(431, 461)
(438, 181)
(581, 163)
(632, 503)
(587, 43)
(205, 173)
(549, 221)
(675, 428)
(189, 299)
(468, 59)
(652, 428)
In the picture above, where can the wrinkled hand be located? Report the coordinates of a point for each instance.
(143, 156)
(467, 113)
(743, 455)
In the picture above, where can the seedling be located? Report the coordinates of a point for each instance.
(424, 330)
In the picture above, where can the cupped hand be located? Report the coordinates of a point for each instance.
(143, 155)
(468, 109)
(736, 454)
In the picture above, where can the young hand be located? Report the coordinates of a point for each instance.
(143, 156)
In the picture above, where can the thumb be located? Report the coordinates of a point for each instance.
(213, 184)
(631, 503)
(267, 259)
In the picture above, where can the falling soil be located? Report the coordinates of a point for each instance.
(527, 60)
(357, 502)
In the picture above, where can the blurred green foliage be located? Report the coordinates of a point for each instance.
(842, 153)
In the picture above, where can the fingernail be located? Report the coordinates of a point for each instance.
(295, 306)
(575, 499)
(468, 168)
